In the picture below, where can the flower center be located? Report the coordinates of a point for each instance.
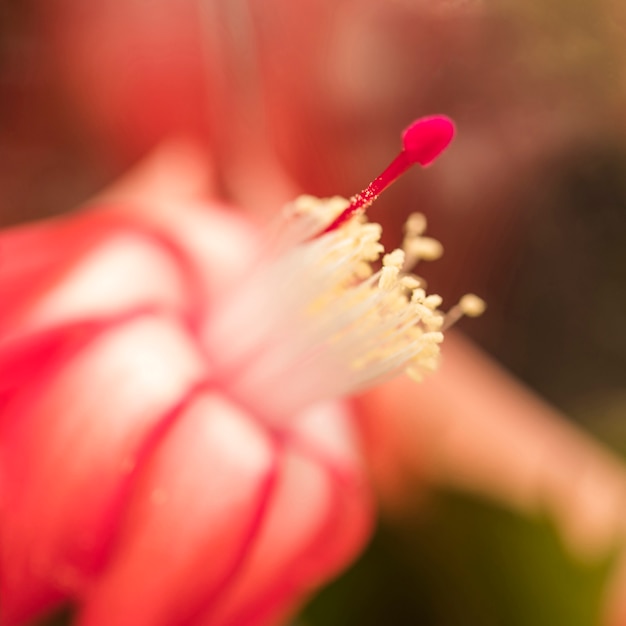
(329, 313)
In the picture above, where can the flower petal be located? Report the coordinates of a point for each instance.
(93, 264)
(68, 452)
(198, 502)
(123, 273)
(316, 522)
(36, 256)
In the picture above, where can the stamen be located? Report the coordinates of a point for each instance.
(469, 305)
(422, 142)
(336, 314)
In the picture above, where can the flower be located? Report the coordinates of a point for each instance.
(172, 449)
(469, 425)
(129, 480)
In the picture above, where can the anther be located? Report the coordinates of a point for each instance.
(415, 225)
(469, 305)
(422, 142)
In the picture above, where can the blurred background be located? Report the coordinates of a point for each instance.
(530, 203)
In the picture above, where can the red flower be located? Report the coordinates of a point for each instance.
(142, 481)
(171, 449)
(134, 480)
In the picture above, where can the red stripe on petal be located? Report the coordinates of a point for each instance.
(198, 501)
(36, 260)
(27, 364)
(67, 457)
(342, 529)
(299, 508)
(337, 541)
(319, 518)
(34, 256)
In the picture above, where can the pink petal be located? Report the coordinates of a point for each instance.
(91, 264)
(316, 522)
(124, 272)
(68, 452)
(36, 256)
(213, 526)
(198, 500)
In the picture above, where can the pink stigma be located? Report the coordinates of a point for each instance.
(422, 142)
(425, 139)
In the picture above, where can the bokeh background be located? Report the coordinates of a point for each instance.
(530, 202)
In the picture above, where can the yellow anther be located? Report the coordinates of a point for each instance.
(418, 295)
(394, 259)
(415, 224)
(424, 248)
(433, 301)
(410, 282)
(471, 305)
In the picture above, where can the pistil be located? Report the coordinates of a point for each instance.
(422, 142)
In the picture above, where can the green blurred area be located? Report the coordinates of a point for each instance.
(464, 562)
